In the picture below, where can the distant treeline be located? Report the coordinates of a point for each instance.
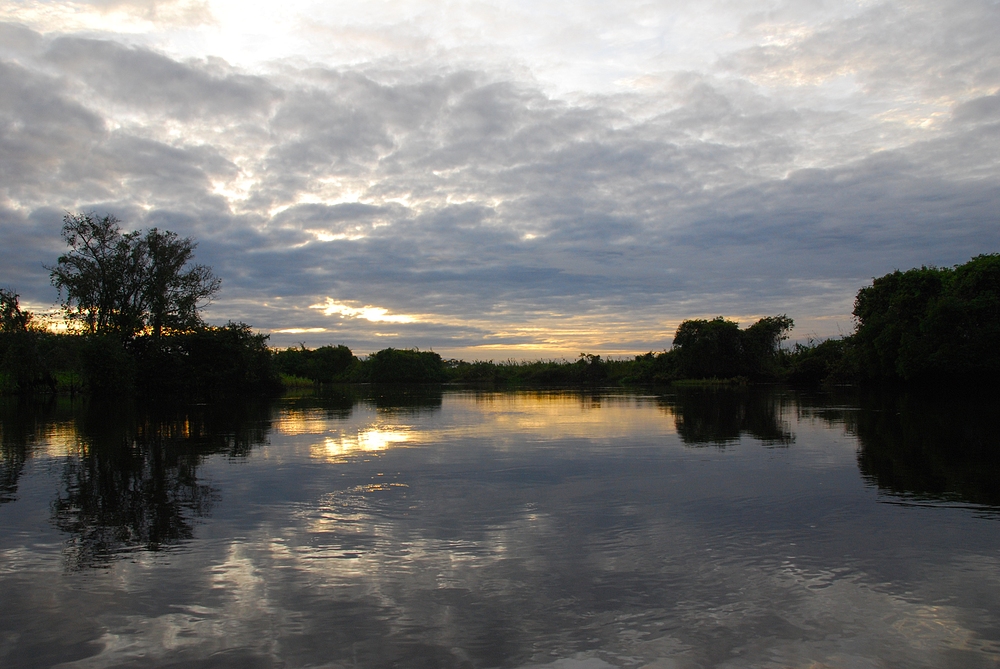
(923, 325)
(703, 349)
(135, 299)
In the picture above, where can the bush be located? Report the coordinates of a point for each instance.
(322, 365)
(817, 362)
(108, 369)
(232, 359)
(393, 365)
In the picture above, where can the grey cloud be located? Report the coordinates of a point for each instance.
(18, 41)
(157, 173)
(674, 240)
(321, 214)
(932, 48)
(42, 132)
(28, 242)
(980, 110)
(153, 82)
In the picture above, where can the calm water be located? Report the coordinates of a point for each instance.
(467, 529)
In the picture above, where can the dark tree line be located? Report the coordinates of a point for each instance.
(927, 324)
(930, 322)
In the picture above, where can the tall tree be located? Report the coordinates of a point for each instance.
(122, 283)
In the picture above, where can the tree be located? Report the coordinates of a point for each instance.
(888, 341)
(393, 365)
(20, 360)
(930, 322)
(706, 349)
(323, 365)
(172, 293)
(762, 342)
(123, 283)
(96, 276)
(719, 348)
(12, 318)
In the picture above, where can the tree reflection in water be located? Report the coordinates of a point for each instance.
(131, 479)
(942, 445)
(338, 401)
(939, 444)
(720, 416)
(21, 424)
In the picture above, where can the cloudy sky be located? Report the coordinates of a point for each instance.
(508, 179)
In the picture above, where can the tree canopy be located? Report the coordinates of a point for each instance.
(930, 322)
(124, 283)
(718, 348)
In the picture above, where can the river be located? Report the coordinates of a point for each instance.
(424, 527)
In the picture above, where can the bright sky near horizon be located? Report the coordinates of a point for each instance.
(508, 179)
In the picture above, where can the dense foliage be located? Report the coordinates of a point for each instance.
(720, 349)
(930, 322)
(203, 362)
(325, 364)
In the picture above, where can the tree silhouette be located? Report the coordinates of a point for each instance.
(125, 282)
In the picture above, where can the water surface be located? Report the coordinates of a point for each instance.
(429, 528)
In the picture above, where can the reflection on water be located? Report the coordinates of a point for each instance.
(129, 475)
(335, 449)
(720, 416)
(922, 446)
(417, 527)
(22, 425)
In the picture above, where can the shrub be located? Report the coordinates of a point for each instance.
(393, 365)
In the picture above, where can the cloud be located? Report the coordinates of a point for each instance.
(367, 312)
(501, 214)
(109, 15)
(984, 109)
(912, 55)
(156, 84)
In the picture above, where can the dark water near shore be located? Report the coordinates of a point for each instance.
(420, 528)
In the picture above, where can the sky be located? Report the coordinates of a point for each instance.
(496, 180)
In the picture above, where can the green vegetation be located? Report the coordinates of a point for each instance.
(136, 297)
(930, 322)
(927, 325)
